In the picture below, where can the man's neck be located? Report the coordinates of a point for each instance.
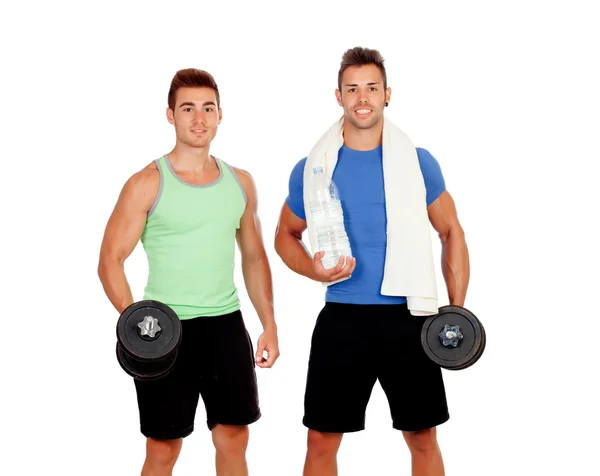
(362, 139)
(192, 159)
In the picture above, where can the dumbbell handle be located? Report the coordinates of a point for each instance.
(149, 327)
(450, 335)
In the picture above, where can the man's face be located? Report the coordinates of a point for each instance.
(362, 95)
(196, 116)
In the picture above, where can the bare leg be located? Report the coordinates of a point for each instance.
(230, 445)
(425, 452)
(161, 456)
(321, 454)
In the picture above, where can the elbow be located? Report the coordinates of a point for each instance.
(277, 241)
(102, 271)
(106, 265)
(454, 232)
(283, 237)
(256, 257)
(277, 244)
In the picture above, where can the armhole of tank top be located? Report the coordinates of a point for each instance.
(160, 189)
(237, 179)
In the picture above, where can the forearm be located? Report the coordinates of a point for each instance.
(259, 284)
(455, 266)
(112, 276)
(294, 254)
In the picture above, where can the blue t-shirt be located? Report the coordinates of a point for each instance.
(358, 176)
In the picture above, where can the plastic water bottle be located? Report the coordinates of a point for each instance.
(328, 219)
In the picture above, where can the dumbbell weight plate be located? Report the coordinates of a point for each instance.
(479, 351)
(152, 344)
(470, 343)
(145, 371)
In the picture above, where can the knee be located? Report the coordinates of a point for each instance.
(230, 439)
(162, 453)
(323, 444)
(423, 441)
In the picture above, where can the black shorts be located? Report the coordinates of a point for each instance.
(215, 361)
(353, 346)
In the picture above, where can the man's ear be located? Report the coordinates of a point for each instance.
(338, 96)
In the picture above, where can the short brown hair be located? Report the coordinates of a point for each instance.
(191, 78)
(360, 56)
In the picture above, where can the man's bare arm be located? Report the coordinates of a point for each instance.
(455, 255)
(255, 265)
(289, 245)
(257, 273)
(122, 233)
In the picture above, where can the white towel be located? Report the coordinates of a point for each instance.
(409, 269)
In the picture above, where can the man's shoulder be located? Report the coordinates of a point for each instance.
(424, 154)
(427, 161)
(244, 179)
(148, 175)
(298, 169)
(243, 175)
(143, 183)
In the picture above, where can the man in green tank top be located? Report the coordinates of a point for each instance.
(188, 208)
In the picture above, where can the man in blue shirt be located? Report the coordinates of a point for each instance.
(362, 336)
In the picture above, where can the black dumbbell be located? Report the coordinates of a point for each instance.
(454, 338)
(148, 338)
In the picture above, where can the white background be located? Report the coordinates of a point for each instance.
(504, 95)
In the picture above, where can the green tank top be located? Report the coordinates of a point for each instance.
(189, 239)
